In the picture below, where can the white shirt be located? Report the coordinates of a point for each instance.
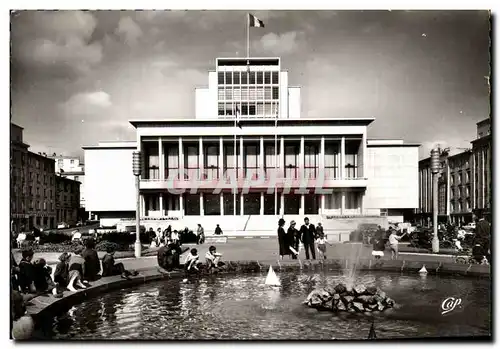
(190, 258)
(321, 241)
(393, 239)
(175, 236)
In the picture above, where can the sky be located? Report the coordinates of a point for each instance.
(78, 77)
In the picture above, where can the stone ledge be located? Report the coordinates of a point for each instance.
(45, 306)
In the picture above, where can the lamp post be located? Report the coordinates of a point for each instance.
(435, 166)
(136, 167)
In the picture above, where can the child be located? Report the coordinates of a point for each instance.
(378, 246)
(321, 244)
(191, 261)
(26, 272)
(213, 258)
(109, 268)
(393, 242)
(61, 275)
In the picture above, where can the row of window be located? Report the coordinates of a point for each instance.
(248, 93)
(252, 203)
(245, 109)
(248, 77)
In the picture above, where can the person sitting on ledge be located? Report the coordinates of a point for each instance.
(68, 273)
(26, 272)
(169, 256)
(212, 259)
(110, 268)
(174, 237)
(92, 265)
(77, 263)
(43, 277)
(191, 262)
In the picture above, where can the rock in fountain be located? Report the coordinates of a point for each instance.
(359, 299)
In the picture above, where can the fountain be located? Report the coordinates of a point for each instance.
(348, 296)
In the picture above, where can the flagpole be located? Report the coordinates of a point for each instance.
(235, 168)
(276, 163)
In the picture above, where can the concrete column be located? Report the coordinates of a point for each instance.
(342, 203)
(301, 158)
(261, 204)
(282, 204)
(221, 200)
(181, 205)
(302, 204)
(240, 159)
(181, 160)
(161, 205)
(143, 205)
(342, 158)
(242, 205)
(202, 209)
(322, 206)
(161, 160)
(322, 160)
(201, 160)
(362, 203)
(281, 161)
(365, 157)
(262, 155)
(221, 158)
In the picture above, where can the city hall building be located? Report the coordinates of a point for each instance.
(248, 158)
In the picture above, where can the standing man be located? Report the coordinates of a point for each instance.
(482, 236)
(307, 236)
(200, 234)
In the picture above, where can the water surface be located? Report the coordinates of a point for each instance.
(241, 307)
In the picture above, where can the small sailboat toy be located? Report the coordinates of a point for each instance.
(272, 279)
(372, 334)
(423, 270)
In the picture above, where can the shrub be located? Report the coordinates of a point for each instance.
(54, 238)
(103, 246)
(125, 238)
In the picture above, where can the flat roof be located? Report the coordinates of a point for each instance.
(242, 61)
(112, 145)
(390, 143)
(253, 122)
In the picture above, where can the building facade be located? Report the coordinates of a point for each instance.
(68, 200)
(460, 170)
(72, 168)
(464, 183)
(425, 210)
(19, 177)
(482, 169)
(248, 158)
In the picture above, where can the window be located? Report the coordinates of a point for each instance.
(267, 77)
(332, 160)
(275, 92)
(268, 93)
(275, 79)
(251, 76)
(251, 109)
(244, 78)
(260, 77)
(230, 163)
(220, 78)
(221, 109)
(251, 160)
(72, 161)
(191, 161)
(311, 158)
(270, 161)
(229, 78)
(211, 153)
(236, 77)
(291, 154)
(220, 93)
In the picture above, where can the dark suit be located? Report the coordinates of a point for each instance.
(482, 236)
(307, 236)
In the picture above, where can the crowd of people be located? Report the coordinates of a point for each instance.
(161, 238)
(290, 240)
(32, 277)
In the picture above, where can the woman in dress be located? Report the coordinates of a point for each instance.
(282, 239)
(293, 238)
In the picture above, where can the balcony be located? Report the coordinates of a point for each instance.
(253, 178)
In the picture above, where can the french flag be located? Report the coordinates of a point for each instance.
(254, 21)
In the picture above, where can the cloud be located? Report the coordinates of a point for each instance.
(87, 103)
(278, 44)
(55, 39)
(129, 30)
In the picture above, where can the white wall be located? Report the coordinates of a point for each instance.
(109, 181)
(294, 102)
(283, 95)
(202, 103)
(392, 177)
